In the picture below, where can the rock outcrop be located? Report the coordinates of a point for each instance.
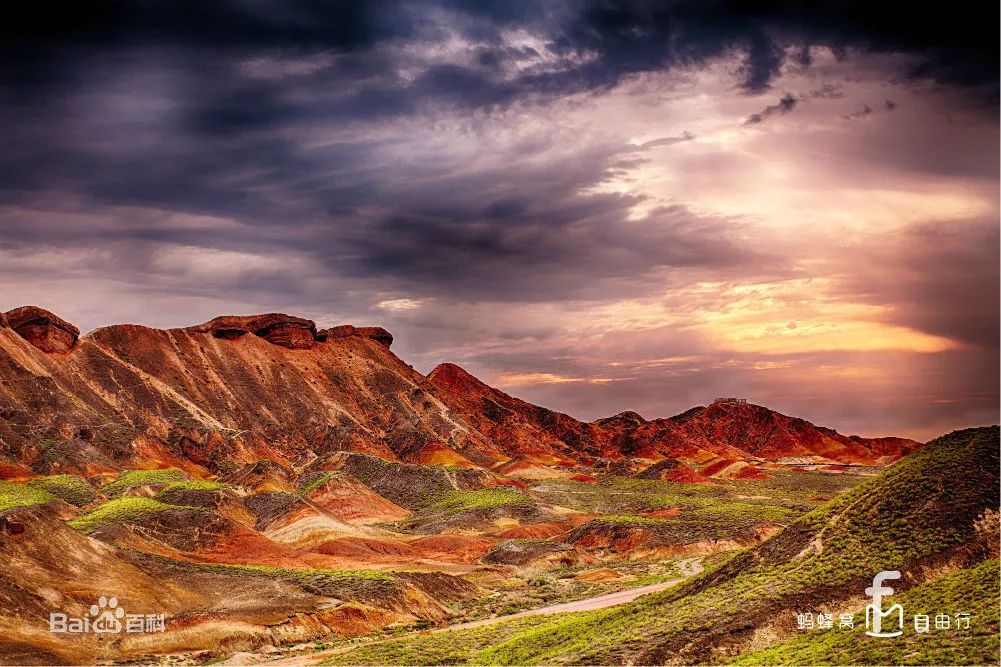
(288, 331)
(672, 470)
(43, 329)
(378, 334)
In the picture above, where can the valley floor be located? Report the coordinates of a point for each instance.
(304, 656)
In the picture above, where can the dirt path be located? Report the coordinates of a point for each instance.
(689, 567)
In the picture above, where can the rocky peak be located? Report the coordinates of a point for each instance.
(46, 331)
(627, 419)
(378, 334)
(456, 378)
(288, 331)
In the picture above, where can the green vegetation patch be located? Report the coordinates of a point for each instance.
(175, 488)
(478, 499)
(456, 647)
(130, 478)
(633, 520)
(716, 520)
(311, 486)
(294, 573)
(359, 585)
(19, 495)
(69, 488)
(122, 509)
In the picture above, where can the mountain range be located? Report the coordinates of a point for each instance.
(274, 387)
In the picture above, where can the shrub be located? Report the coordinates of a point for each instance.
(174, 489)
(130, 478)
(70, 488)
(18, 495)
(122, 509)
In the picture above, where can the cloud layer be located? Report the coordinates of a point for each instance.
(597, 205)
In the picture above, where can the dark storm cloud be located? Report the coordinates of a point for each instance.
(785, 104)
(954, 44)
(861, 113)
(166, 161)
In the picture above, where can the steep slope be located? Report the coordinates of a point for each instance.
(969, 590)
(236, 389)
(522, 430)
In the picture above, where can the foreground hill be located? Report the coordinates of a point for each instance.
(237, 390)
(933, 517)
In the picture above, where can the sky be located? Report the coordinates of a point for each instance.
(596, 206)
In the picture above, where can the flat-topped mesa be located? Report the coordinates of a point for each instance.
(378, 334)
(288, 331)
(46, 331)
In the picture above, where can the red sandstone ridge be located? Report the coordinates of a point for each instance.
(725, 430)
(520, 429)
(761, 433)
(294, 333)
(243, 389)
(46, 331)
(378, 334)
(233, 390)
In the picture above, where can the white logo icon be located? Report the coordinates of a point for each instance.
(106, 617)
(874, 613)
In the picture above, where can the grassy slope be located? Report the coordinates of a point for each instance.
(70, 488)
(19, 495)
(463, 501)
(970, 590)
(122, 509)
(923, 506)
(130, 478)
(730, 510)
(171, 492)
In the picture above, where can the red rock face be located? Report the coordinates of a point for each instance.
(520, 429)
(378, 334)
(46, 331)
(294, 333)
(762, 433)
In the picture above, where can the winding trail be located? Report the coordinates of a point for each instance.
(689, 567)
